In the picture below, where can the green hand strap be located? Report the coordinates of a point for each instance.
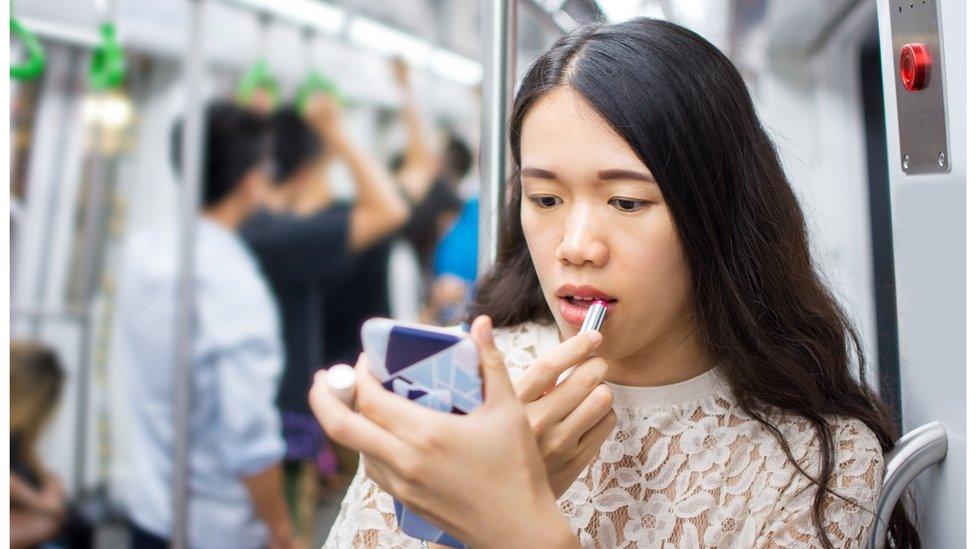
(315, 82)
(34, 65)
(258, 77)
(107, 68)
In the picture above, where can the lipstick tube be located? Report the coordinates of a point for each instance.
(594, 316)
(592, 321)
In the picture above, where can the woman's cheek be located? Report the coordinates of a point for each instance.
(653, 281)
(542, 243)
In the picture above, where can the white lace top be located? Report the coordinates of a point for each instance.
(684, 468)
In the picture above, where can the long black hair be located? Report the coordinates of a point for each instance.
(764, 313)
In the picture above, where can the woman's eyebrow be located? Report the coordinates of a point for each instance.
(538, 172)
(605, 175)
(624, 174)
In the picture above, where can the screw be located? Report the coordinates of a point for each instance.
(942, 159)
(904, 163)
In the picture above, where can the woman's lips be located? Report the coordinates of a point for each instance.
(574, 314)
(568, 290)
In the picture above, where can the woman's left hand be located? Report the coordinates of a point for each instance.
(479, 476)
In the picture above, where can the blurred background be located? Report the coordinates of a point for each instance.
(91, 164)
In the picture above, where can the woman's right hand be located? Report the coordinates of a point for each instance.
(572, 419)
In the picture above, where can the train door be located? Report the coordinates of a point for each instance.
(928, 210)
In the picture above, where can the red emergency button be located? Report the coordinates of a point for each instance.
(915, 66)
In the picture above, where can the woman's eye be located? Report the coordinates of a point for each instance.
(545, 201)
(628, 204)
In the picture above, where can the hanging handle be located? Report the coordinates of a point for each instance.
(315, 83)
(258, 77)
(34, 65)
(107, 68)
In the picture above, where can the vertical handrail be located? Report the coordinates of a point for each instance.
(499, 49)
(52, 203)
(193, 71)
(913, 453)
(85, 294)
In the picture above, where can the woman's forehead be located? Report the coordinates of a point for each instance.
(562, 131)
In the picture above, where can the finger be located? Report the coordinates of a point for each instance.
(570, 394)
(592, 440)
(589, 413)
(497, 384)
(379, 472)
(349, 428)
(545, 370)
(407, 420)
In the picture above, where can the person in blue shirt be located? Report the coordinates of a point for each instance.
(455, 269)
(235, 488)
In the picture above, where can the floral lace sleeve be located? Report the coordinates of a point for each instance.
(858, 472)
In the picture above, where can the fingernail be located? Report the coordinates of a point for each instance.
(484, 328)
(594, 336)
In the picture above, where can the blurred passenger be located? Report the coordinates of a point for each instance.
(39, 515)
(305, 242)
(235, 481)
(455, 270)
(360, 294)
(430, 180)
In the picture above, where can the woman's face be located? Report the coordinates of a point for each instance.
(597, 226)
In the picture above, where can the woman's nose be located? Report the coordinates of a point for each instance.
(582, 240)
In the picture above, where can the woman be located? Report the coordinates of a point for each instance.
(38, 512)
(643, 176)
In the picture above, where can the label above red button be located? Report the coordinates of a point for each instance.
(916, 64)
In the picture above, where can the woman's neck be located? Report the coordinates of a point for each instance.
(672, 358)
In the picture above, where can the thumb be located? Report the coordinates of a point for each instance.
(498, 385)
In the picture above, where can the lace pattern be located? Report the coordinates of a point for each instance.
(697, 473)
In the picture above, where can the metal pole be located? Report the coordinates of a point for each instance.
(264, 32)
(53, 203)
(81, 421)
(496, 96)
(89, 255)
(193, 74)
(549, 17)
(85, 293)
(308, 47)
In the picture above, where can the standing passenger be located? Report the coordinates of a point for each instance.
(301, 239)
(235, 488)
